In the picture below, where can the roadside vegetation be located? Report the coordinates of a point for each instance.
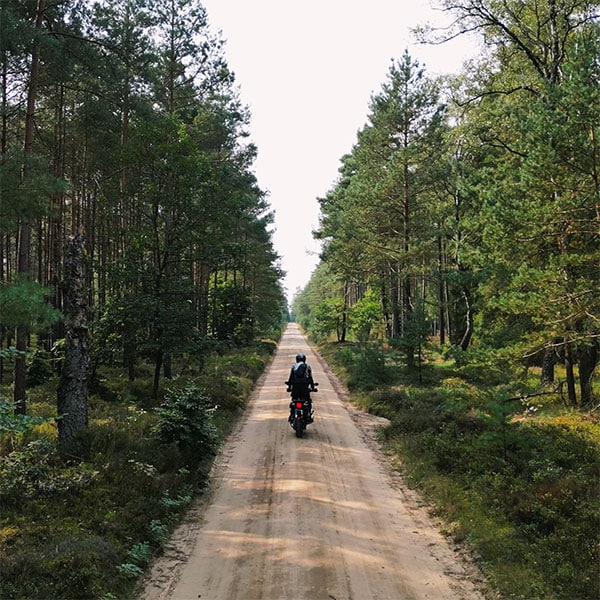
(460, 278)
(137, 272)
(511, 470)
(87, 525)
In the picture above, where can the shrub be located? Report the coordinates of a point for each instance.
(70, 566)
(267, 346)
(345, 357)
(369, 371)
(186, 419)
(39, 369)
(37, 469)
(240, 365)
(11, 424)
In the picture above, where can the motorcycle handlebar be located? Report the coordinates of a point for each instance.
(313, 389)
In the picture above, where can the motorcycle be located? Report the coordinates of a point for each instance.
(302, 413)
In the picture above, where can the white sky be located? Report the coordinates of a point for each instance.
(307, 71)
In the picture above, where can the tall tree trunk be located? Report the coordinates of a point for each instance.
(24, 240)
(168, 366)
(588, 359)
(129, 356)
(3, 155)
(572, 395)
(394, 303)
(548, 363)
(73, 388)
(385, 309)
(342, 338)
(441, 296)
(157, 368)
(468, 334)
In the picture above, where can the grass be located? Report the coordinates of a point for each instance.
(516, 481)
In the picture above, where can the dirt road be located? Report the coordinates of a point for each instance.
(317, 518)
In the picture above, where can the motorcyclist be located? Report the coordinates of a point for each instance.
(300, 383)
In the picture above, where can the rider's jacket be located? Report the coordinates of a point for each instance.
(300, 385)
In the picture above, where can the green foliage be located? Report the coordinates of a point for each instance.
(10, 353)
(88, 526)
(475, 220)
(517, 483)
(68, 565)
(326, 318)
(369, 370)
(37, 470)
(24, 303)
(138, 557)
(11, 423)
(365, 315)
(40, 368)
(415, 336)
(229, 379)
(185, 418)
(176, 504)
(266, 345)
(232, 316)
(159, 532)
(346, 357)
(25, 197)
(479, 364)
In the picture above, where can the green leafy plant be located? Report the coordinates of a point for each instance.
(40, 368)
(13, 426)
(159, 532)
(369, 371)
(137, 558)
(185, 418)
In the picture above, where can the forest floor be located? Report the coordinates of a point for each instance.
(322, 517)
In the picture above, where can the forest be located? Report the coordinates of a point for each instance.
(469, 207)
(457, 294)
(135, 250)
(459, 285)
(122, 131)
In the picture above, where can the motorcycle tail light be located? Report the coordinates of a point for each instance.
(299, 404)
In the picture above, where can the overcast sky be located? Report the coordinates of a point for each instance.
(307, 71)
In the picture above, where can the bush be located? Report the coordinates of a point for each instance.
(345, 357)
(239, 365)
(39, 369)
(520, 486)
(86, 526)
(483, 366)
(185, 418)
(267, 346)
(369, 371)
(228, 393)
(37, 470)
(12, 424)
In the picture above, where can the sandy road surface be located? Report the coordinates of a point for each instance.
(315, 518)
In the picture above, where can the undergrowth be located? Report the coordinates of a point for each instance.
(87, 527)
(514, 477)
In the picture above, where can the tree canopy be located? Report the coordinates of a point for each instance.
(121, 124)
(469, 205)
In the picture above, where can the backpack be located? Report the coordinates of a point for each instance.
(301, 373)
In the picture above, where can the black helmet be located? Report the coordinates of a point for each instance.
(300, 357)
